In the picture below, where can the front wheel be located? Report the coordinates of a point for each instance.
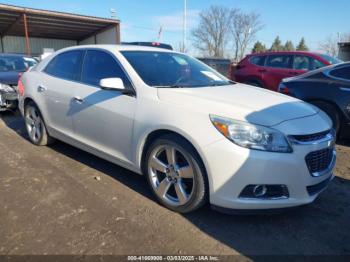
(35, 126)
(176, 174)
(332, 112)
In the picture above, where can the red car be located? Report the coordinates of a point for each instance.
(268, 69)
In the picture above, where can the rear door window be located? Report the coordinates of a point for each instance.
(301, 62)
(279, 61)
(66, 65)
(99, 65)
(258, 60)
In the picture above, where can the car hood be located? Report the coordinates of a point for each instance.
(240, 102)
(9, 78)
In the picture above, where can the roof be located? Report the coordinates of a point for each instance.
(284, 52)
(50, 24)
(119, 48)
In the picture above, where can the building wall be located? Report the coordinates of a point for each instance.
(17, 44)
(344, 52)
(109, 36)
(88, 41)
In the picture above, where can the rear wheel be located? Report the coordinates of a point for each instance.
(331, 111)
(35, 126)
(176, 174)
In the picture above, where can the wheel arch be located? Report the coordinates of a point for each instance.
(315, 100)
(27, 100)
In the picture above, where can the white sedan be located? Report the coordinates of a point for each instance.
(197, 136)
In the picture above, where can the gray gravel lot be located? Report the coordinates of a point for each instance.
(52, 203)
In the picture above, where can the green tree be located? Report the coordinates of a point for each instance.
(259, 47)
(276, 45)
(302, 45)
(289, 46)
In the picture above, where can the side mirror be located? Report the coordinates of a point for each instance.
(112, 84)
(115, 84)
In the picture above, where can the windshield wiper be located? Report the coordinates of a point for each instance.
(229, 82)
(170, 86)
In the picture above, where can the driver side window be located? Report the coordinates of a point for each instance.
(99, 65)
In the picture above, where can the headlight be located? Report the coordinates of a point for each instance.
(252, 136)
(6, 88)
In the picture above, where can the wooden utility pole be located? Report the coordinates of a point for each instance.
(26, 34)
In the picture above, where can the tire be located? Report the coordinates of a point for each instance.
(332, 112)
(176, 174)
(35, 126)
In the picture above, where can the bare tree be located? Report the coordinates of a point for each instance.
(181, 48)
(212, 34)
(244, 30)
(330, 44)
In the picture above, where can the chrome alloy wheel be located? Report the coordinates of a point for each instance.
(34, 124)
(171, 175)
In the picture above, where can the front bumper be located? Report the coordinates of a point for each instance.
(8, 98)
(232, 168)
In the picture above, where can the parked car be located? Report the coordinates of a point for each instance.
(268, 69)
(223, 66)
(152, 44)
(11, 67)
(195, 135)
(327, 88)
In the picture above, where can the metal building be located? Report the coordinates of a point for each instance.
(29, 31)
(344, 51)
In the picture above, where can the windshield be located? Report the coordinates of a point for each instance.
(331, 60)
(163, 69)
(15, 63)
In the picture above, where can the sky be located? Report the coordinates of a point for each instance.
(141, 19)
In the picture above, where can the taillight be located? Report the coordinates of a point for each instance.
(20, 87)
(282, 88)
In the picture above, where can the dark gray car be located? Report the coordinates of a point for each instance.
(11, 68)
(327, 88)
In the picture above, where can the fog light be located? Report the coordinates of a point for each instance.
(259, 190)
(265, 192)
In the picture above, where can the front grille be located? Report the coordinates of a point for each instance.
(312, 137)
(320, 160)
(315, 189)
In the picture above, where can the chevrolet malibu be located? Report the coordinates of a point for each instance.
(195, 135)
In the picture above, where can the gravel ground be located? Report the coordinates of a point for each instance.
(61, 200)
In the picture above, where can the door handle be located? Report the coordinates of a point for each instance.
(262, 70)
(78, 99)
(293, 73)
(41, 88)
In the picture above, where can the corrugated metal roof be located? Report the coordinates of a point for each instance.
(50, 24)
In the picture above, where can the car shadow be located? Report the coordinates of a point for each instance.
(320, 228)
(344, 142)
